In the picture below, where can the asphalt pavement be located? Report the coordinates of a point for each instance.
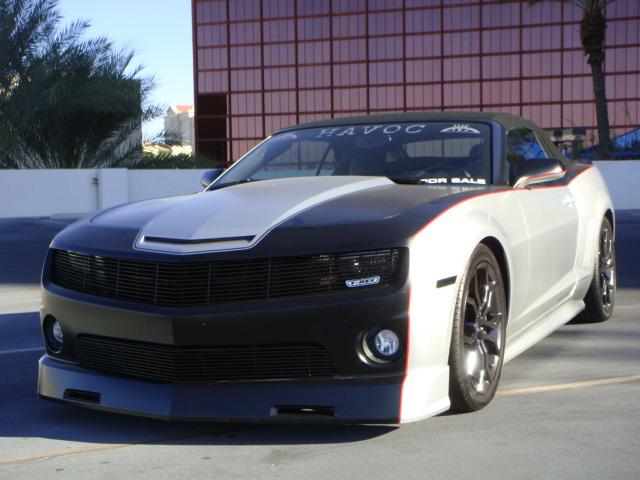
(567, 408)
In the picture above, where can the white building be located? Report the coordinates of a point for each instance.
(179, 124)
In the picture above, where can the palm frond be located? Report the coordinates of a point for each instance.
(67, 100)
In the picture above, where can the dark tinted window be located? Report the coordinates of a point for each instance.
(525, 152)
(524, 143)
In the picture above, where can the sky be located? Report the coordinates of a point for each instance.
(159, 31)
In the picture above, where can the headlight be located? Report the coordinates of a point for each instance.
(367, 269)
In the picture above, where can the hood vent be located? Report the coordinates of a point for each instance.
(196, 241)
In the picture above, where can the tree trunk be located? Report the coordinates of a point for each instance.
(602, 114)
(592, 33)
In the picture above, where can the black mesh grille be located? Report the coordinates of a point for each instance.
(193, 284)
(170, 364)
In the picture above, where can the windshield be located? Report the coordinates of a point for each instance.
(420, 153)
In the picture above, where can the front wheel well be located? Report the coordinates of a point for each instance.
(609, 216)
(498, 251)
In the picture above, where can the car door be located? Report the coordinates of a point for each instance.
(551, 218)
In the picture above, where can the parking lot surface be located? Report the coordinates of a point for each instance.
(567, 408)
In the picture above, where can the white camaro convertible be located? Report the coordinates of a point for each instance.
(375, 269)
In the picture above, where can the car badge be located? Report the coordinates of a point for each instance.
(363, 282)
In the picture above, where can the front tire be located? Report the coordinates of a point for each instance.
(600, 297)
(478, 335)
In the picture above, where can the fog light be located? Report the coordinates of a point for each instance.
(53, 334)
(56, 331)
(387, 343)
(381, 346)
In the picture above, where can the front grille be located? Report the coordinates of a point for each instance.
(171, 364)
(194, 284)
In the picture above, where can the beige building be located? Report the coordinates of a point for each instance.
(179, 124)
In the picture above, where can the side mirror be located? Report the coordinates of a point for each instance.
(535, 173)
(209, 176)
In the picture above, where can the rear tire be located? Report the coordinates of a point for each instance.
(600, 297)
(478, 335)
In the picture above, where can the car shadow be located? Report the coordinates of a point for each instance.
(34, 418)
(54, 421)
(27, 416)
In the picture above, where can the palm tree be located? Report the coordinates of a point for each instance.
(66, 101)
(592, 35)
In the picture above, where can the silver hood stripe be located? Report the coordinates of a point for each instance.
(239, 216)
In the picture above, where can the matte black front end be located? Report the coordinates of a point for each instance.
(357, 391)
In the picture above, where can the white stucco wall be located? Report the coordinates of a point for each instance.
(144, 184)
(39, 193)
(623, 180)
(36, 193)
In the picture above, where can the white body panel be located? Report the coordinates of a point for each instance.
(551, 221)
(549, 237)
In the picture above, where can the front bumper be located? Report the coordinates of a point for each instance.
(353, 400)
(360, 392)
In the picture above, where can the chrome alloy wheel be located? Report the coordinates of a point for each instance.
(607, 269)
(483, 337)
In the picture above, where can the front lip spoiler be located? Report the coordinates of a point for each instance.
(370, 400)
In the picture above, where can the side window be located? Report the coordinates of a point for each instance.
(524, 143)
(525, 152)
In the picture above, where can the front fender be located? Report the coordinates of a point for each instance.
(441, 250)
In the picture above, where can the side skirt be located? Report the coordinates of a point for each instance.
(542, 328)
